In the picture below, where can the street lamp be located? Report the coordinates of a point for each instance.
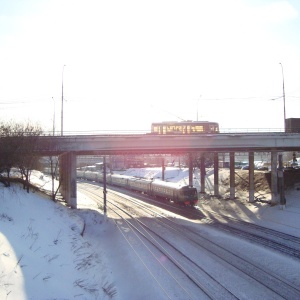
(53, 116)
(283, 98)
(62, 101)
(198, 105)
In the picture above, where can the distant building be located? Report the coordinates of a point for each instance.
(292, 125)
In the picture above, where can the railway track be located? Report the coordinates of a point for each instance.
(281, 242)
(139, 235)
(167, 238)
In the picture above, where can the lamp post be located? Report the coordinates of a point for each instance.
(62, 101)
(197, 109)
(283, 97)
(53, 116)
(198, 105)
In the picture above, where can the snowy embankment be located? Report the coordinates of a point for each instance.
(44, 256)
(42, 252)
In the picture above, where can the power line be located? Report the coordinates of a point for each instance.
(45, 100)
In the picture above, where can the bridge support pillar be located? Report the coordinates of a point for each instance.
(251, 176)
(202, 173)
(67, 178)
(216, 175)
(274, 181)
(163, 168)
(232, 175)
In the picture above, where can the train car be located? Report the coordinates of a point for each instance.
(140, 185)
(120, 180)
(184, 128)
(172, 191)
(80, 174)
(92, 175)
(165, 190)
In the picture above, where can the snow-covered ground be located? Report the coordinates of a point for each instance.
(44, 256)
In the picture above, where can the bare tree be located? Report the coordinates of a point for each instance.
(17, 148)
(53, 162)
(29, 160)
(9, 147)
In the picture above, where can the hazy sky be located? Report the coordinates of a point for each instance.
(129, 63)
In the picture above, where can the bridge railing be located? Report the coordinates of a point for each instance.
(133, 132)
(251, 130)
(139, 132)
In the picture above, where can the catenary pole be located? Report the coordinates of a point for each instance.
(104, 184)
(283, 94)
(62, 101)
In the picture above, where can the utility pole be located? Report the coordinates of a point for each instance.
(62, 101)
(197, 106)
(104, 184)
(283, 91)
(53, 116)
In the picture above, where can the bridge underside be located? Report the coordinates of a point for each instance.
(68, 178)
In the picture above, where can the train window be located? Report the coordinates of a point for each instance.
(164, 130)
(179, 129)
(213, 128)
(197, 128)
(170, 129)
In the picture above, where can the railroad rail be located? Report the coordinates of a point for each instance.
(169, 236)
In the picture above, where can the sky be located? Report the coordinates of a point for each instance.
(126, 64)
(44, 255)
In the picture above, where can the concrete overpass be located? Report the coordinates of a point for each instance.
(148, 143)
(68, 147)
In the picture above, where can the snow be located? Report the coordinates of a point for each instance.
(43, 254)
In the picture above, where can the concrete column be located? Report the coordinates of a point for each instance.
(202, 173)
(61, 161)
(251, 176)
(232, 176)
(68, 179)
(163, 168)
(274, 181)
(73, 181)
(216, 175)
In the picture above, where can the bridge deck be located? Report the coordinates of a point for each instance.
(147, 143)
